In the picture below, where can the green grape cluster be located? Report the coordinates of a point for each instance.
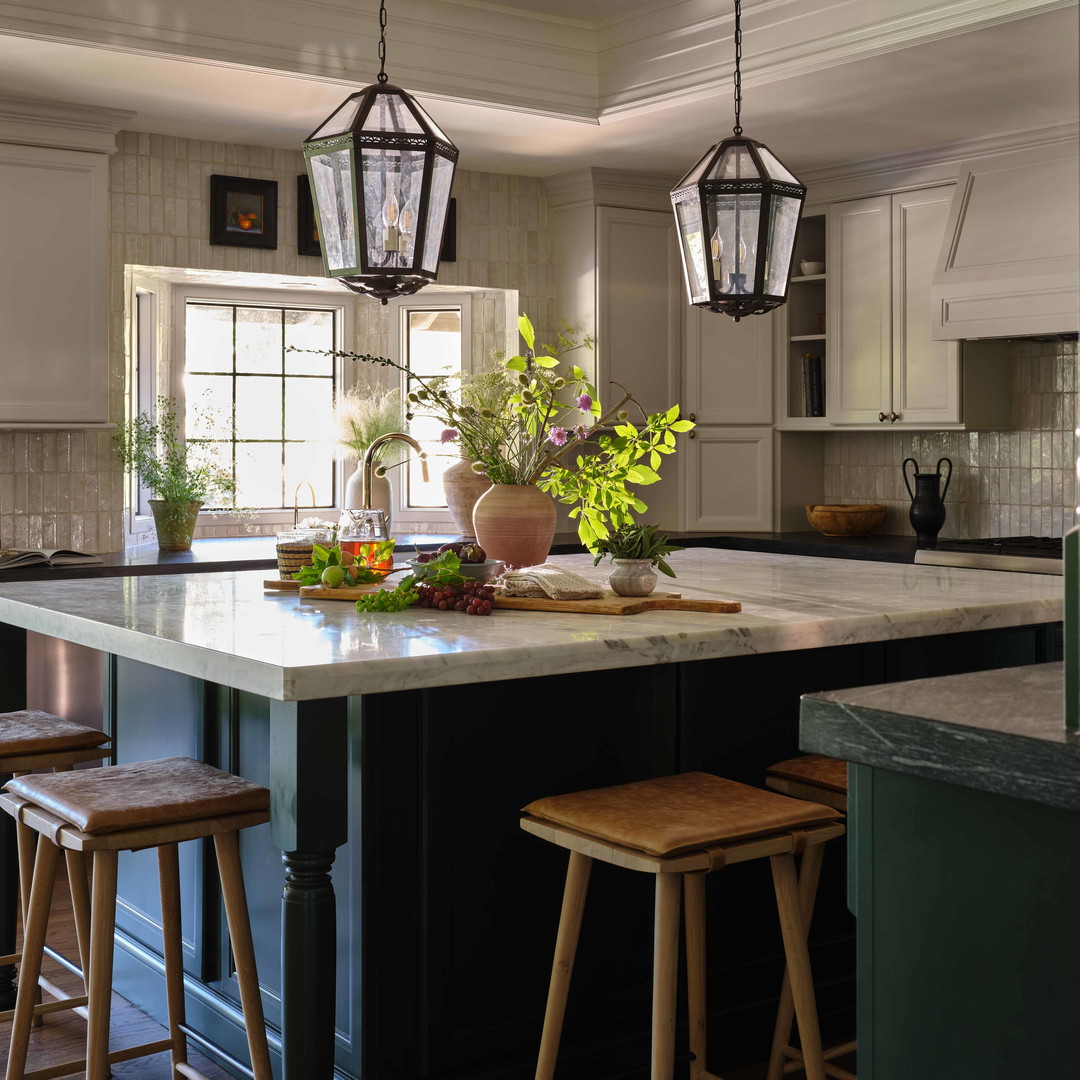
(388, 600)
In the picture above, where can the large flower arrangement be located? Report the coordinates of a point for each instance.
(536, 420)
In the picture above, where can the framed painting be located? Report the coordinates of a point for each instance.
(448, 251)
(307, 228)
(243, 212)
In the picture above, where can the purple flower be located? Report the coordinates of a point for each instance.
(584, 403)
(448, 435)
(558, 436)
(581, 431)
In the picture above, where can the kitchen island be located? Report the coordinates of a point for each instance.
(963, 810)
(398, 750)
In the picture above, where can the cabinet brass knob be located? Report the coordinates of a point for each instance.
(691, 434)
(893, 417)
(881, 418)
(692, 417)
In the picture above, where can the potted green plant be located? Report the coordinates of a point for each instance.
(635, 550)
(181, 476)
(543, 433)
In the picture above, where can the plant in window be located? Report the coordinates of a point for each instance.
(542, 431)
(183, 476)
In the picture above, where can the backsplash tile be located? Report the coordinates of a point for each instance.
(1005, 483)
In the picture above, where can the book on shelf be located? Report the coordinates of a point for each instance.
(813, 385)
(11, 558)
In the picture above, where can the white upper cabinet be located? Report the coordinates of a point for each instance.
(884, 366)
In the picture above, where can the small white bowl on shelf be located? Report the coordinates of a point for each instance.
(809, 269)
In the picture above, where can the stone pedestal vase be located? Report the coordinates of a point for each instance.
(175, 523)
(463, 487)
(515, 523)
(632, 577)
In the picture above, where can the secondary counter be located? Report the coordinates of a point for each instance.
(224, 628)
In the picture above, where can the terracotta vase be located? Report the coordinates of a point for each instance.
(175, 523)
(463, 487)
(515, 523)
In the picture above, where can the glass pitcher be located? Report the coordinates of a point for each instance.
(366, 535)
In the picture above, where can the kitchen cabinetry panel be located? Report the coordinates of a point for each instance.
(53, 299)
(729, 479)
(858, 382)
(728, 377)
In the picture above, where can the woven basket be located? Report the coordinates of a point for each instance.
(292, 555)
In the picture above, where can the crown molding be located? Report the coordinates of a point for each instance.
(58, 124)
(607, 187)
(930, 165)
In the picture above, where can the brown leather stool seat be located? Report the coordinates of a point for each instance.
(127, 808)
(33, 739)
(680, 828)
(822, 780)
(812, 776)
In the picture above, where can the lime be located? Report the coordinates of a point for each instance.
(333, 576)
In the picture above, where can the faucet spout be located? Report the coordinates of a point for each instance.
(372, 450)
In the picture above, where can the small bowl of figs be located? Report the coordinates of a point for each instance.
(474, 561)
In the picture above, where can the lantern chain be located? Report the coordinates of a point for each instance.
(738, 72)
(382, 41)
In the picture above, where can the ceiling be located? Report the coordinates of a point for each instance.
(537, 87)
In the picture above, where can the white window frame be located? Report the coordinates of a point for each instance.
(438, 518)
(277, 298)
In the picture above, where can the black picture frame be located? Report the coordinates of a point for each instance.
(236, 199)
(307, 228)
(448, 251)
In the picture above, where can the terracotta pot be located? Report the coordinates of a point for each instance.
(463, 487)
(175, 523)
(632, 577)
(515, 523)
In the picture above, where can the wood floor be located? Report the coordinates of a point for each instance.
(62, 1037)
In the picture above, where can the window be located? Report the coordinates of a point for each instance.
(237, 365)
(431, 339)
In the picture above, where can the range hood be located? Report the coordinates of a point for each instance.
(1010, 261)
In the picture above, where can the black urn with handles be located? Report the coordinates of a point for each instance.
(927, 512)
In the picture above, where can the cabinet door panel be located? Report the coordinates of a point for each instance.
(926, 373)
(729, 473)
(728, 368)
(53, 299)
(858, 382)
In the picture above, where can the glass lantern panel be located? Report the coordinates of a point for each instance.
(341, 120)
(735, 163)
(438, 202)
(773, 166)
(332, 185)
(692, 245)
(425, 118)
(392, 185)
(732, 243)
(783, 221)
(700, 168)
(389, 113)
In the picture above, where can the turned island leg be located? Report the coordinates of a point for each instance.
(309, 797)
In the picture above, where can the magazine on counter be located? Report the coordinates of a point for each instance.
(11, 558)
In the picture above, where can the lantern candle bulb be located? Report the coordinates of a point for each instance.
(391, 237)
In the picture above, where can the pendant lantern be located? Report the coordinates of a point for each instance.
(737, 212)
(381, 172)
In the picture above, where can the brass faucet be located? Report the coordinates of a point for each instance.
(369, 459)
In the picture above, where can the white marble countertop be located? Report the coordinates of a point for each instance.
(224, 628)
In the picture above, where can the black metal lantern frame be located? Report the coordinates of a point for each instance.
(381, 171)
(737, 212)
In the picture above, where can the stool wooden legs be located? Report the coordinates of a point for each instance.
(665, 975)
(694, 913)
(172, 941)
(793, 928)
(227, 846)
(102, 929)
(573, 906)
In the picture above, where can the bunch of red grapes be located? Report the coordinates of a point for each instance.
(472, 597)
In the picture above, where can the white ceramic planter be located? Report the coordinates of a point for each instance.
(632, 577)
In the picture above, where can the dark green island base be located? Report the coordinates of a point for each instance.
(963, 812)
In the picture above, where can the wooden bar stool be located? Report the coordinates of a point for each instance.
(127, 808)
(680, 828)
(31, 739)
(819, 780)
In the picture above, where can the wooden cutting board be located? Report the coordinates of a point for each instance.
(324, 592)
(611, 604)
(281, 585)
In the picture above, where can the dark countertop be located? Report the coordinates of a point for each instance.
(999, 731)
(257, 552)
